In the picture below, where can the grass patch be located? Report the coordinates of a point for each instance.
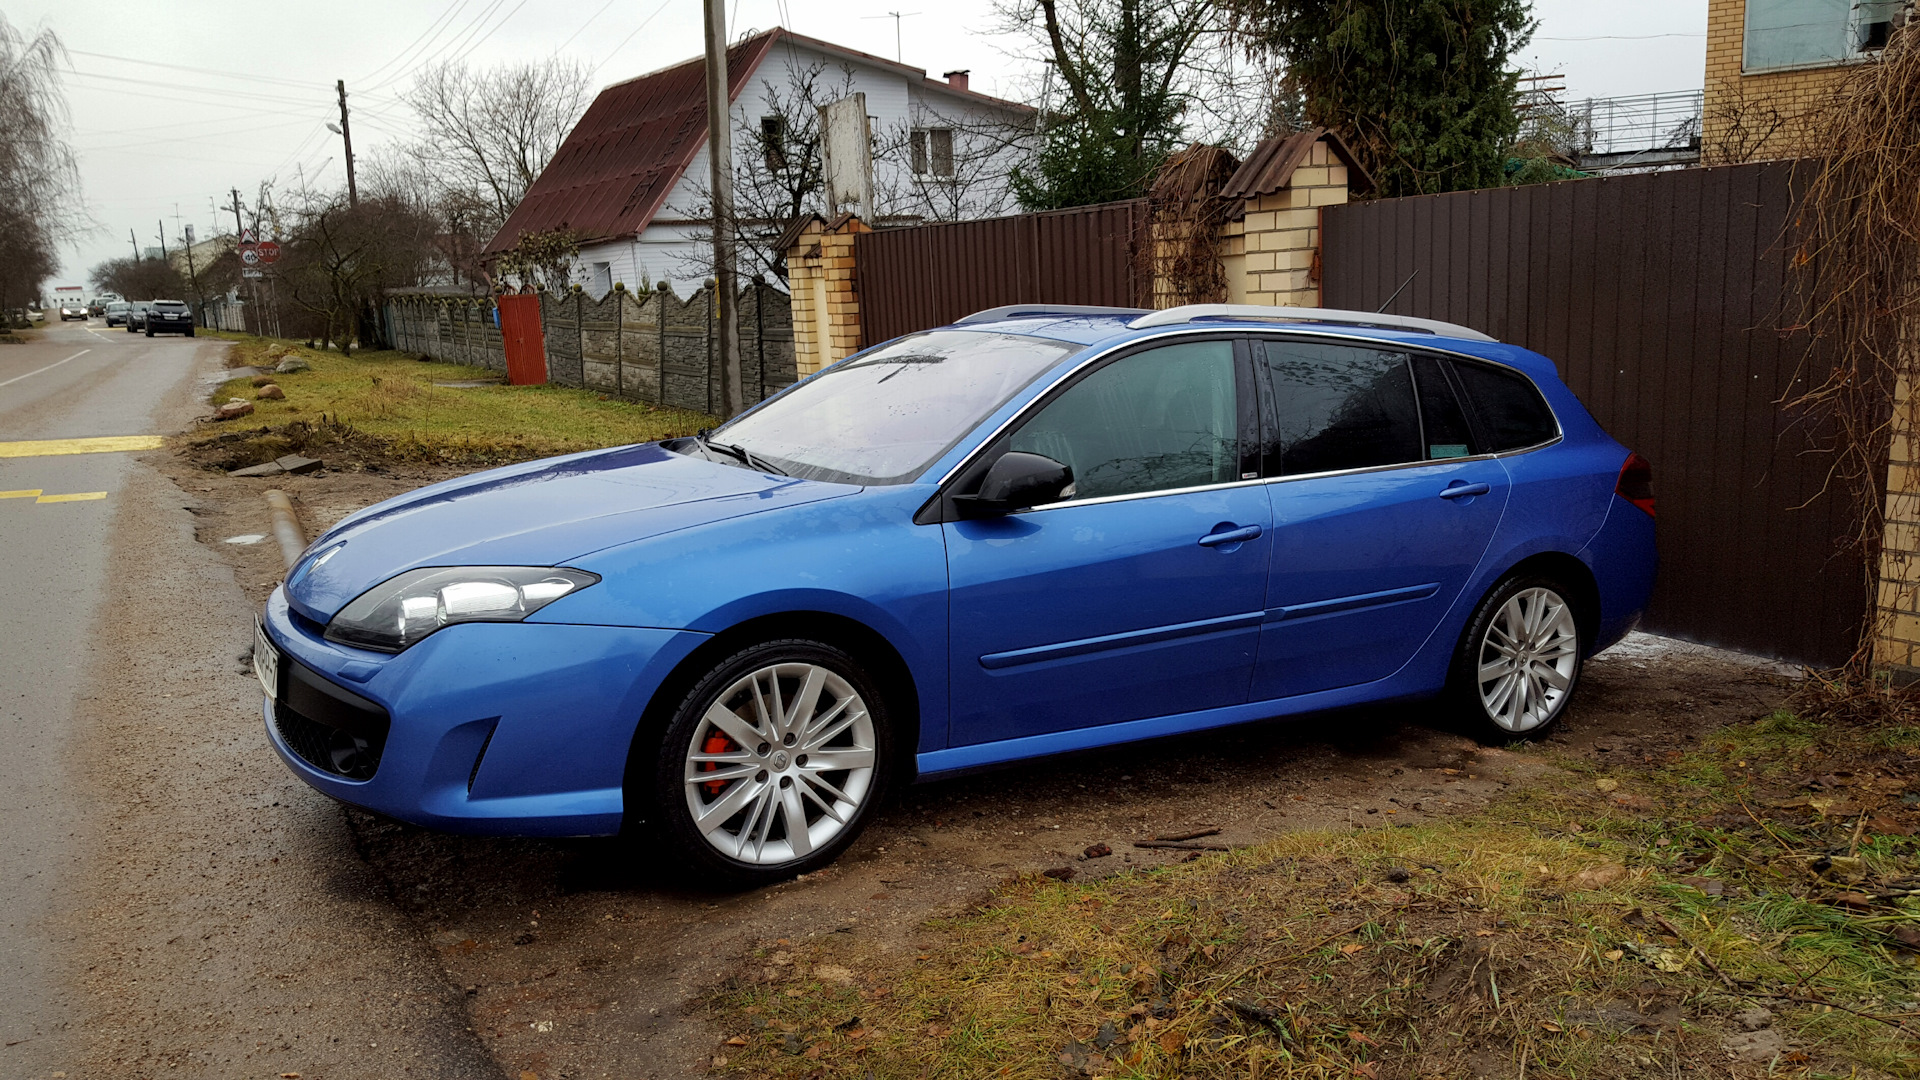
(1569, 931)
(384, 406)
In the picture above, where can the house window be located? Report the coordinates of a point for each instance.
(1786, 34)
(932, 150)
(773, 142)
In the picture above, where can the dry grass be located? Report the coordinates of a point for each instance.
(1568, 932)
(385, 406)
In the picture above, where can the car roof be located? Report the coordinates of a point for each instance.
(1112, 327)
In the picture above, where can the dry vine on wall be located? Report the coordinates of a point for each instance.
(1186, 219)
(1857, 257)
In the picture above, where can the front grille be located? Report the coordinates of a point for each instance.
(329, 727)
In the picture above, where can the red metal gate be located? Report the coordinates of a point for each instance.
(526, 346)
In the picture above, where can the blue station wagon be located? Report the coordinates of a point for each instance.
(1036, 531)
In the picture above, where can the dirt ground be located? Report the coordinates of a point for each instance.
(588, 958)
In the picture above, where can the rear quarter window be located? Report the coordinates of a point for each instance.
(1508, 410)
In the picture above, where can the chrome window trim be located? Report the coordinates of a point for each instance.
(1214, 330)
(1131, 495)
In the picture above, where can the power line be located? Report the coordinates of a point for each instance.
(433, 29)
(460, 38)
(623, 41)
(195, 70)
(584, 25)
(1619, 37)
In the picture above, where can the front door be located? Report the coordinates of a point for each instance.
(1140, 594)
(1382, 511)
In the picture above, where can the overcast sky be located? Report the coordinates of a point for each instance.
(175, 102)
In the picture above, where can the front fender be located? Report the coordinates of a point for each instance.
(859, 557)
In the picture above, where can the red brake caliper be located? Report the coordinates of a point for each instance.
(716, 744)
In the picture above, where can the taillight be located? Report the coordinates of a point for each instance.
(1636, 483)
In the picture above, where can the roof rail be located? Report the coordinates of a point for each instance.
(1381, 320)
(1015, 311)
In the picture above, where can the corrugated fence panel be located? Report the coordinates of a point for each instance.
(929, 275)
(1660, 297)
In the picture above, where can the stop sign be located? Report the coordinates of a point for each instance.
(269, 251)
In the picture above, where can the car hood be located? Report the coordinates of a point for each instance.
(542, 513)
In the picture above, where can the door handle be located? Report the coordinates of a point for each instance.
(1457, 490)
(1231, 536)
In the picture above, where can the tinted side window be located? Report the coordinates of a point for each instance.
(1447, 432)
(1507, 409)
(1156, 420)
(1334, 407)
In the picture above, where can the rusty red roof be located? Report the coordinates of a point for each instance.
(1270, 167)
(618, 164)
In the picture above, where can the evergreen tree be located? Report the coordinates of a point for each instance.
(1120, 74)
(1422, 89)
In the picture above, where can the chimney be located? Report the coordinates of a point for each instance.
(957, 79)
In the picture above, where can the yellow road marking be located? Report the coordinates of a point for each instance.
(106, 444)
(30, 494)
(80, 497)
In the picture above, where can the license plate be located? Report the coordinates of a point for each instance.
(266, 660)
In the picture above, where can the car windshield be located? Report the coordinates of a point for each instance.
(886, 416)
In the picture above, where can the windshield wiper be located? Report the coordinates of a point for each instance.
(738, 453)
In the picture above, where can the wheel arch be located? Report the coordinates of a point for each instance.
(1577, 576)
(866, 644)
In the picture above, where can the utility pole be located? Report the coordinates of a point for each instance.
(163, 238)
(346, 137)
(131, 239)
(720, 162)
(237, 227)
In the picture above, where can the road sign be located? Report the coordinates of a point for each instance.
(246, 237)
(250, 256)
(269, 251)
(250, 273)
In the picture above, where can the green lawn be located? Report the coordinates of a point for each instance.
(392, 400)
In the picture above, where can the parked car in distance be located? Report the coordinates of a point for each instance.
(73, 309)
(96, 308)
(137, 315)
(168, 317)
(116, 312)
(1037, 531)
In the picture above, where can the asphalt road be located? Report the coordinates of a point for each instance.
(76, 381)
(169, 902)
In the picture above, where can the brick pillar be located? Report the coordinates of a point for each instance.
(1896, 612)
(1281, 234)
(826, 305)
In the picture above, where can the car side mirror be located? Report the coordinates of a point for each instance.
(1017, 481)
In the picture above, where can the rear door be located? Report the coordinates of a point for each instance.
(1141, 594)
(1382, 510)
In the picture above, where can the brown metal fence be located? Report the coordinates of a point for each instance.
(929, 275)
(1660, 297)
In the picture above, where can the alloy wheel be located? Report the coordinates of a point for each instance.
(780, 763)
(1528, 659)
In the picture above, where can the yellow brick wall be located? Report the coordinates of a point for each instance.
(1281, 234)
(1754, 117)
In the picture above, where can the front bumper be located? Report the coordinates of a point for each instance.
(505, 729)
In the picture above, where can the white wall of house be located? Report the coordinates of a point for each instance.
(987, 142)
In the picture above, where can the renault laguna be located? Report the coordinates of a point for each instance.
(1039, 530)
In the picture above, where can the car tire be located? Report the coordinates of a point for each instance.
(1519, 661)
(189, 333)
(738, 830)
(149, 331)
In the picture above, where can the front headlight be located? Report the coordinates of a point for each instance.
(400, 611)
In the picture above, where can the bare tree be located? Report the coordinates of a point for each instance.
(945, 164)
(340, 259)
(491, 132)
(919, 175)
(38, 178)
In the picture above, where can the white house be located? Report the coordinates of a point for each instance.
(632, 177)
